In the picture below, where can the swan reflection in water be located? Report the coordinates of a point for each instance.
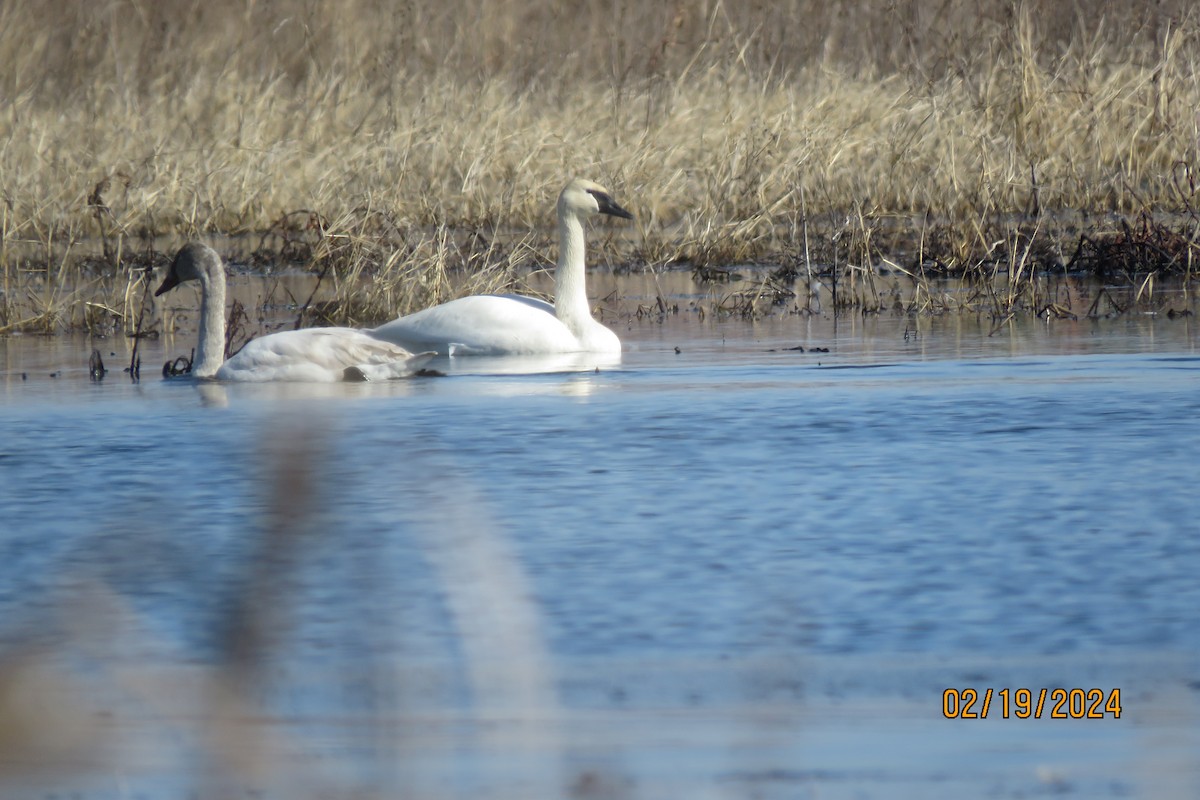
(558, 374)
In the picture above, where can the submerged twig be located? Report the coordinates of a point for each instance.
(179, 366)
(135, 363)
(96, 366)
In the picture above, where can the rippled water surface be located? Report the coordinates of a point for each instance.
(721, 567)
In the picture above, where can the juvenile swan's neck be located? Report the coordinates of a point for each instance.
(210, 352)
(570, 296)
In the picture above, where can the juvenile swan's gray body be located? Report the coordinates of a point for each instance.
(313, 354)
(517, 325)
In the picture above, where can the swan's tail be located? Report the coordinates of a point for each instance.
(401, 368)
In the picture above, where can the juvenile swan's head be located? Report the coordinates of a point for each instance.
(193, 262)
(584, 198)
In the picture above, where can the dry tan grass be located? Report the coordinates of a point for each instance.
(918, 130)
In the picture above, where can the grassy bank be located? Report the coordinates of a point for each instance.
(394, 146)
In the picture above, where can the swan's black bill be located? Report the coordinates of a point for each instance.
(609, 206)
(169, 283)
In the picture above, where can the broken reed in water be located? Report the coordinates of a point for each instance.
(409, 143)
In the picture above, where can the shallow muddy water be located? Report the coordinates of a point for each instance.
(734, 570)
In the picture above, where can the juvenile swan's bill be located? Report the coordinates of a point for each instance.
(514, 324)
(314, 354)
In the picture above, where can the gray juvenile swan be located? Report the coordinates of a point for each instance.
(312, 354)
(518, 325)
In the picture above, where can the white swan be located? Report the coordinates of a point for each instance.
(514, 324)
(312, 354)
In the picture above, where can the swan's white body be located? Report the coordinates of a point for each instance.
(320, 355)
(313, 355)
(518, 325)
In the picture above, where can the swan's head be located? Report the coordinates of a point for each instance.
(585, 198)
(194, 261)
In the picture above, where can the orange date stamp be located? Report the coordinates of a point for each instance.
(1032, 703)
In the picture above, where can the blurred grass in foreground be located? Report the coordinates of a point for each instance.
(391, 146)
(96, 696)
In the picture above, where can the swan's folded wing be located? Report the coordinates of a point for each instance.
(389, 371)
(313, 354)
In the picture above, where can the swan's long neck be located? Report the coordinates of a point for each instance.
(570, 296)
(210, 352)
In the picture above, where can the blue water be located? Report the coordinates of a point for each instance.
(947, 495)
